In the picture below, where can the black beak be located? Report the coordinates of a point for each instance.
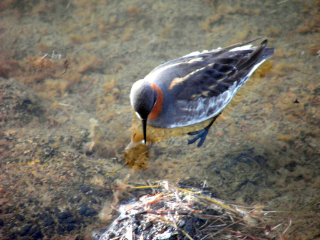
(144, 128)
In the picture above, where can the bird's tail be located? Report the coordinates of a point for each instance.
(258, 55)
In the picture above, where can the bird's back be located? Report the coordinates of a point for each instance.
(198, 86)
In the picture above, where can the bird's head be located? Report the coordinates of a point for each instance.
(143, 99)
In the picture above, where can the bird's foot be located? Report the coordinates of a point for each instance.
(202, 134)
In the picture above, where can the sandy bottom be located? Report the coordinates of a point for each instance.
(66, 71)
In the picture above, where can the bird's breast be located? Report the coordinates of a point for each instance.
(154, 114)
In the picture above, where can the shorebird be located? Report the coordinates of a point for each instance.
(195, 87)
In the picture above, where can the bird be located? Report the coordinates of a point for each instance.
(196, 87)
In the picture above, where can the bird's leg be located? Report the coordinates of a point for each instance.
(202, 134)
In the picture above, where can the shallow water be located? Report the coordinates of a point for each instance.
(64, 63)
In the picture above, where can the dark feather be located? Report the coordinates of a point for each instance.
(217, 74)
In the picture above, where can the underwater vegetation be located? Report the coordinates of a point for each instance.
(66, 69)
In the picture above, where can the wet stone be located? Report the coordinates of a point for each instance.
(48, 209)
(90, 212)
(291, 166)
(49, 231)
(25, 230)
(48, 152)
(35, 232)
(9, 209)
(12, 225)
(20, 103)
(63, 228)
(63, 216)
(48, 221)
(70, 227)
(43, 215)
(94, 201)
(19, 217)
(71, 220)
(85, 189)
(89, 153)
(12, 236)
(77, 199)
(87, 211)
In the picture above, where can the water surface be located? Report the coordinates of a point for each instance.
(66, 71)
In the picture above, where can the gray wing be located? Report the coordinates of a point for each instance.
(212, 75)
(206, 91)
(182, 66)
